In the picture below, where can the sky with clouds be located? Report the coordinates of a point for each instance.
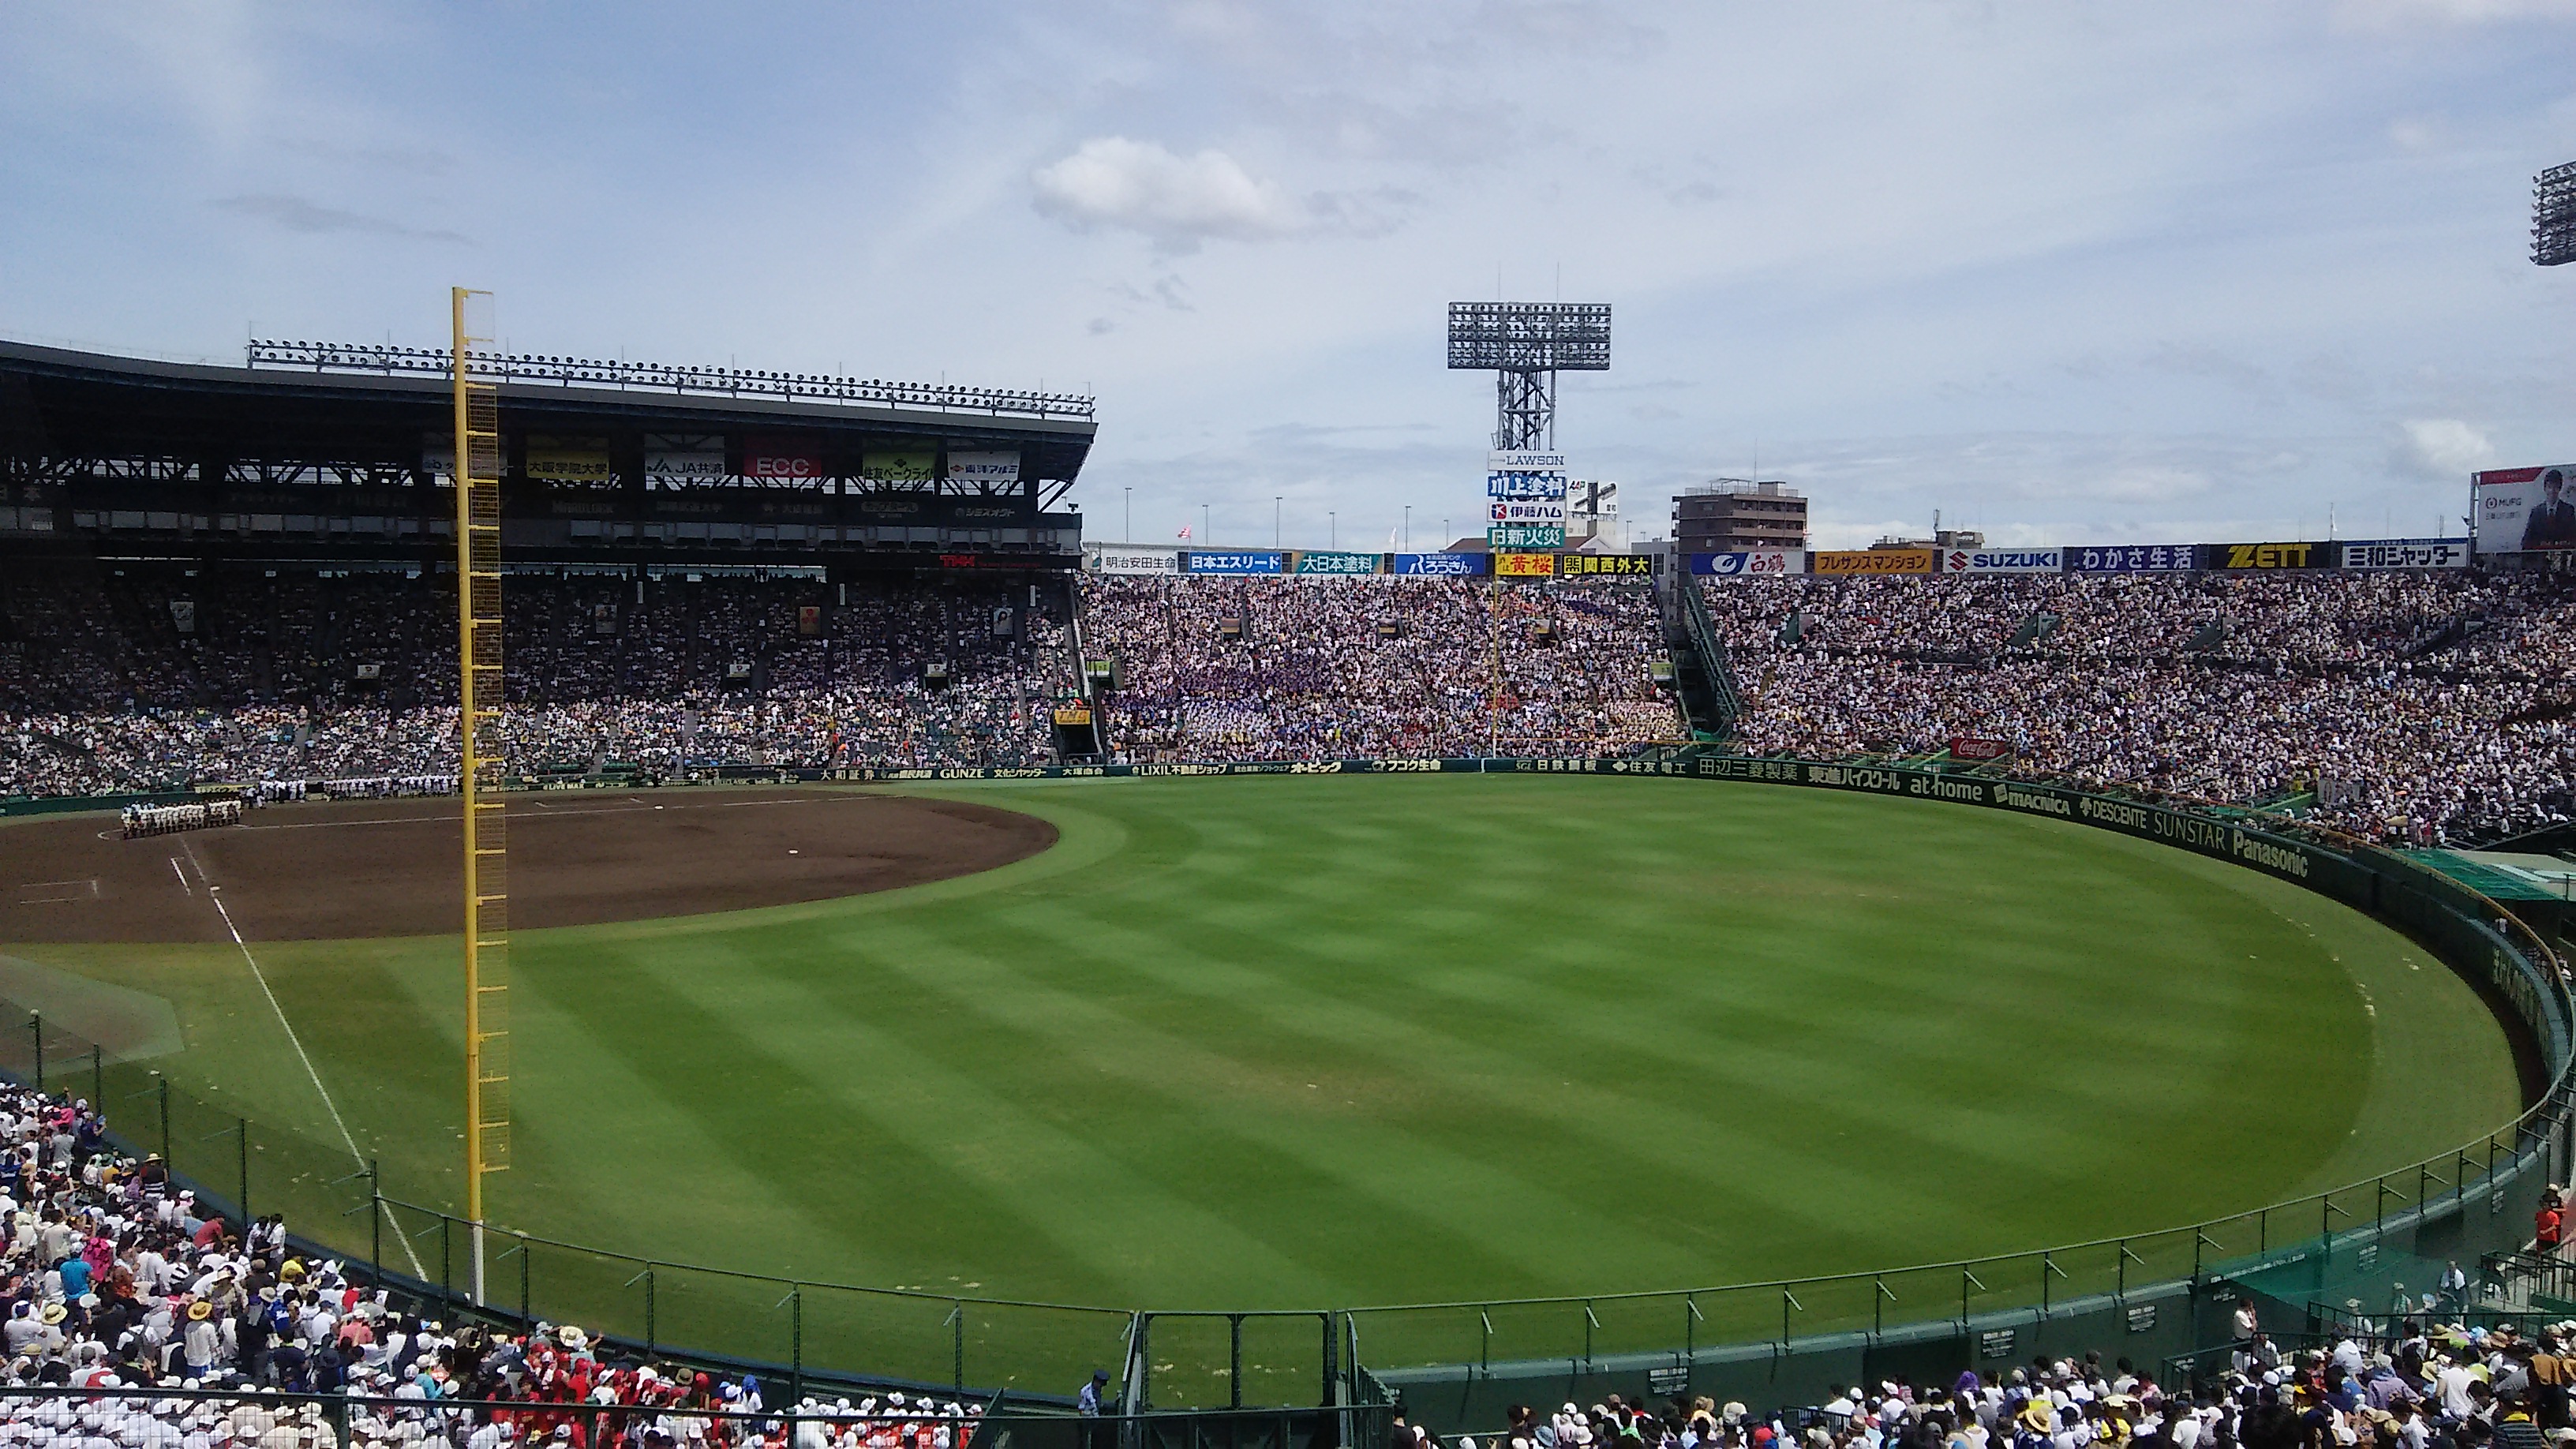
(2067, 272)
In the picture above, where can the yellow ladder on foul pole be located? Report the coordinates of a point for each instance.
(487, 859)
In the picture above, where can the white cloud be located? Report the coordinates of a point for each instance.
(2447, 447)
(1177, 200)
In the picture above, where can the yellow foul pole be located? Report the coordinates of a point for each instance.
(477, 472)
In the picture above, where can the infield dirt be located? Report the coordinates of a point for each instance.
(391, 867)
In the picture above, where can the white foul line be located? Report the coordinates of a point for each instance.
(214, 893)
(183, 877)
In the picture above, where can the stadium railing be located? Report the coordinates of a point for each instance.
(1716, 673)
(2162, 1292)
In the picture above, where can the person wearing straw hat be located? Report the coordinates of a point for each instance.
(200, 1343)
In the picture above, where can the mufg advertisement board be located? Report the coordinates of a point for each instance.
(2524, 510)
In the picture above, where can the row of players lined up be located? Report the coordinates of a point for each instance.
(141, 820)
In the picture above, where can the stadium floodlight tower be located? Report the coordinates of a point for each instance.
(1525, 345)
(2553, 216)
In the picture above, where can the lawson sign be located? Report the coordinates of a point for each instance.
(2003, 560)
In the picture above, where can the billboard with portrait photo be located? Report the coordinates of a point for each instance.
(2524, 510)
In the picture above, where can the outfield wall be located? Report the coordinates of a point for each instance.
(2148, 1296)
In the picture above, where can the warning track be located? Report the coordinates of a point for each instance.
(391, 867)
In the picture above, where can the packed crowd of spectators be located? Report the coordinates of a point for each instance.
(117, 1284)
(2426, 708)
(2423, 1385)
(1318, 669)
(103, 691)
(2429, 707)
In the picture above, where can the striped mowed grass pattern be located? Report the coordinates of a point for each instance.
(1294, 1042)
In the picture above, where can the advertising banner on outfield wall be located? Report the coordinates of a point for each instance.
(2405, 553)
(985, 470)
(2243, 556)
(2520, 510)
(684, 460)
(2136, 558)
(1120, 558)
(790, 462)
(568, 460)
(1321, 561)
(1760, 563)
(1607, 565)
(1872, 561)
(1233, 561)
(1973, 747)
(2003, 561)
(2319, 869)
(1441, 565)
(1525, 565)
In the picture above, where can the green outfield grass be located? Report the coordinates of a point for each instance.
(1325, 1041)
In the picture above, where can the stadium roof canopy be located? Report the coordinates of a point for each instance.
(62, 412)
(317, 452)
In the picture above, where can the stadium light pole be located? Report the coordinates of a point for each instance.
(1206, 529)
(1128, 534)
(1408, 527)
(1332, 530)
(1274, 520)
(2553, 216)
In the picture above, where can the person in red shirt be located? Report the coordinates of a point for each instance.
(2547, 1224)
